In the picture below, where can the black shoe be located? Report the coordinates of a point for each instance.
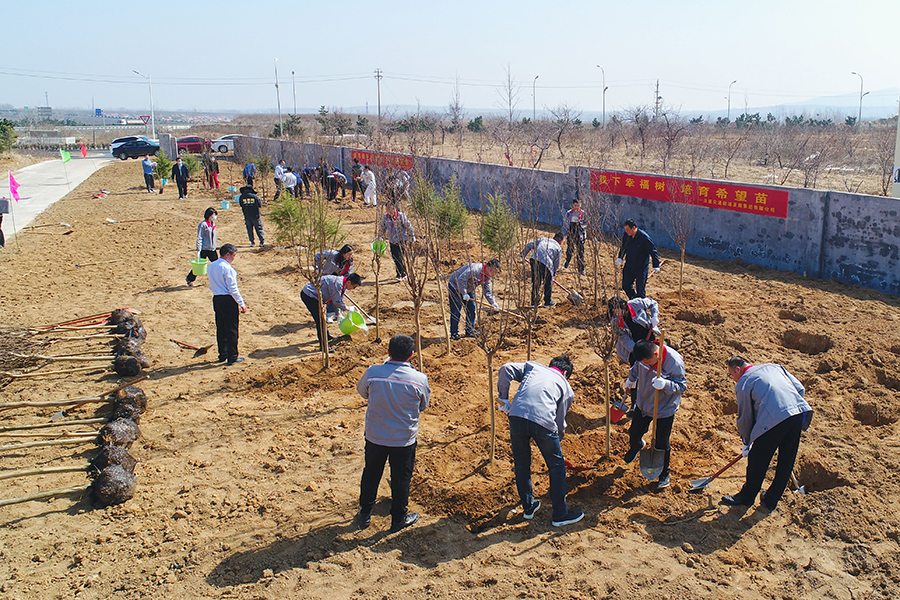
(633, 453)
(663, 482)
(239, 359)
(573, 516)
(363, 519)
(549, 304)
(529, 512)
(735, 500)
(455, 337)
(408, 520)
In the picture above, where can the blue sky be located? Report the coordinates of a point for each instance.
(220, 56)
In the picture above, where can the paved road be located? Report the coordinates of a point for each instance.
(44, 183)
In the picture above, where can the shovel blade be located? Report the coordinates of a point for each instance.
(652, 461)
(700, 484)
(576, 299)
(203, 350)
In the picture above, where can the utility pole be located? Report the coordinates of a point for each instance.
(278, 98)
(657, 101)
(294, 84)
(534, 98)
(378, 76)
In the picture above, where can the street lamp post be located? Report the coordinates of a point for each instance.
(728, 115)
(603, 74)
(152, 114)
(534, 98)
(278, 98)
(859, 115)
(294, 85)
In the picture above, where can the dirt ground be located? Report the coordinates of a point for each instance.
(248, 475)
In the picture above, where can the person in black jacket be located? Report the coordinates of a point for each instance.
(181, 174)
(250, 206)
(637, 250)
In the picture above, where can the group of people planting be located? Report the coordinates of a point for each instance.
(771, 409)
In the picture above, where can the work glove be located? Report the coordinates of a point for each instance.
(496, 307)
(466, 297)
(630, 384)
(504, 405)
(654, 321)
(656, 269)
(745, 450)
(658, 383)
(618, 262)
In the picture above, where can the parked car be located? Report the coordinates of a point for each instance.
(193, 144)
(225, 143)
(134, 148)
(130, 138)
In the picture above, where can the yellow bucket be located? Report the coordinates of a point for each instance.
(353, 322)
(198, 266)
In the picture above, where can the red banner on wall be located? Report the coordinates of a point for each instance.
(724, 196)
(380, 159)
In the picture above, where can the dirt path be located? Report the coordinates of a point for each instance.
(249, 475)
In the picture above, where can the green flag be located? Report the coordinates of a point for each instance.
(66, 157)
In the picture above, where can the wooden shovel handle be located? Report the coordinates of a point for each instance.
(659, 363)
(183, 345)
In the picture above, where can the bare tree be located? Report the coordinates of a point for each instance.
(509, 96)
(670, 129)
(565, 120)
(319, 232)
(639, 117)
(457, 115)
(884, 145)
(680, 216)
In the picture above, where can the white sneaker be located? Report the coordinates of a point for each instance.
(329, 318)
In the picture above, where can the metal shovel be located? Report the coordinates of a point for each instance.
(700, 484)
(652, 459)
(199, 351)
(574, 297)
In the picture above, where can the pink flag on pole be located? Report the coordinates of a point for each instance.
(13, 187)
(83, 151)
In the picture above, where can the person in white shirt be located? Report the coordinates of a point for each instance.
(279, 179)
(370, 198)
(227, 304)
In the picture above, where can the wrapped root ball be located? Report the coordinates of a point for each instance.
(123, 410)
(128, 346)
(142, 360)
(114, 455)
(114, 485)
(120, 315)
(120, 432)
(127, 366)
(134, 396)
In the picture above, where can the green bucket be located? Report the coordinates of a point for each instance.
(379, 246)
(198, 266)
(352, 322)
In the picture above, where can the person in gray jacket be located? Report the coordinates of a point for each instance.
(462, 286)
(336, 262)
(771, 414)
(632, 320)
(544, 265)
(396, 229)
(671, 385)
(333, 288)
(397, 393)
(206, 241)
(538, 412)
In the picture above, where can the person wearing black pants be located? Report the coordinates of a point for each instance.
(544, 265)
(669, 385)
(312, 305)
(396, 393)
(227, 304)
(637, 252)
(181, 175)
(332, 288)
(206, 241)
(396, 228)
(771, 415)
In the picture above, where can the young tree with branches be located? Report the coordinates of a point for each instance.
(680, 216)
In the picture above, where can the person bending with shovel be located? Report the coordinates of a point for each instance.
(632, 320)
(538, 412)
(771, 415)
(660, 382)
(544, 265)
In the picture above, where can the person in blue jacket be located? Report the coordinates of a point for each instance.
(771, 414)
(636, 252)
